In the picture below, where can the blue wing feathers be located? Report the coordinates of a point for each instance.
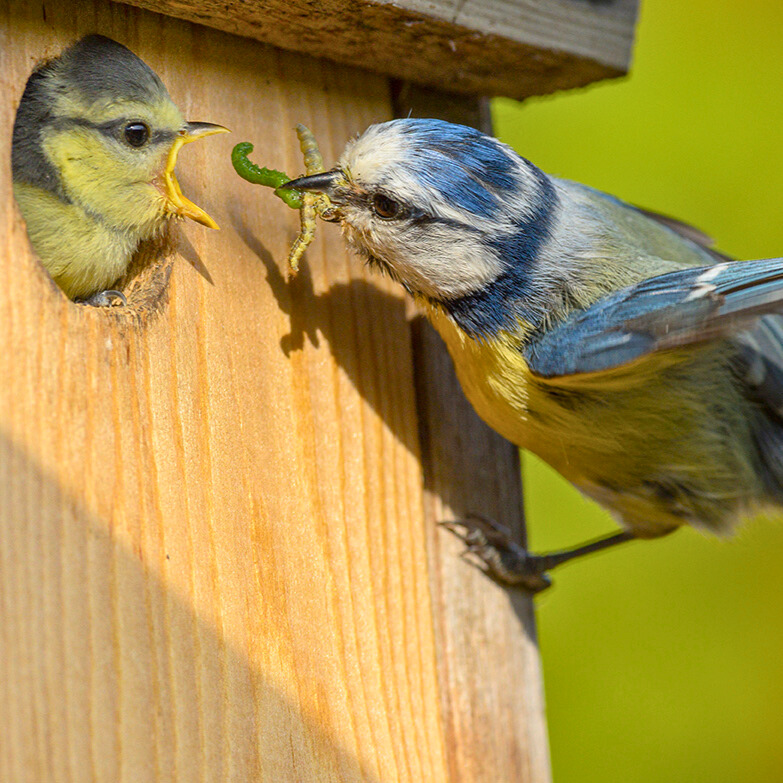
(740, 301)
(676, 309)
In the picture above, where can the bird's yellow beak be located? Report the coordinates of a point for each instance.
(177, 203)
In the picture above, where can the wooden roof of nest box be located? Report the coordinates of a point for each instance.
(514, 48)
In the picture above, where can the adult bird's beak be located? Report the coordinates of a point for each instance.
(178, 204)
(317, 183)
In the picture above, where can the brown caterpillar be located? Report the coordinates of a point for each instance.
(312, 204)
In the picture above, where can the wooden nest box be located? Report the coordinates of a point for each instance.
(219, 558)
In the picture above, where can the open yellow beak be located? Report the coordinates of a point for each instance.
(178, 204)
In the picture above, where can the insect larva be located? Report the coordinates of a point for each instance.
(310, 205)
(306, 231)
(314, 163)
(263, 176)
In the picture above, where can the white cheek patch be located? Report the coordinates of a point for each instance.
(447, 267)
(439, 261)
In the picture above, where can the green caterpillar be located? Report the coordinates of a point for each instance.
(310, 205)
(259, 175)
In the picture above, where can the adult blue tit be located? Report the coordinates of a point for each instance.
(95, 143)
(644, 367)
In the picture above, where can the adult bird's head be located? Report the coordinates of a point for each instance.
(446, 210)
(96, 127)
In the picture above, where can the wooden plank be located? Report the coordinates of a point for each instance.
(215, 556)
(469, 468)
(482, 47)
(484, 629)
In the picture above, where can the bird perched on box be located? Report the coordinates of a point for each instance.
(95, 143)
(643, 366)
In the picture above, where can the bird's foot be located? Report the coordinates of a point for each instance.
(512, 564)
(498, 555)
(108, 298)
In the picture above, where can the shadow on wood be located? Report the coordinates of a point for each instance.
(102, 635)
(457, 463)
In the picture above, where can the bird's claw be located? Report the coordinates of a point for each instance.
(498, 556)
(108, 298)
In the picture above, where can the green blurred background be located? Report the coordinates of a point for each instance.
(663, 660)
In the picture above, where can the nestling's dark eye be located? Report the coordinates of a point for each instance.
(137, 133)
(385, 207)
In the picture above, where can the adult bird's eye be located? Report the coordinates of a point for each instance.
(385, 207)
(137, 133)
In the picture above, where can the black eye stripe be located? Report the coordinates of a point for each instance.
(113, 128)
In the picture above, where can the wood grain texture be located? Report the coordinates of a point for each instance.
(464, 464)
(216, 553)
(481, 47)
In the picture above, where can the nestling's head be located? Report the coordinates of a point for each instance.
(97, 129)
(440, 207)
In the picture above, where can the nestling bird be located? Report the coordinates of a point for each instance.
(95, 143)
(644, 367)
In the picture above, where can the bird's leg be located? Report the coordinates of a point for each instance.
(511, 563)
(105, 299)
